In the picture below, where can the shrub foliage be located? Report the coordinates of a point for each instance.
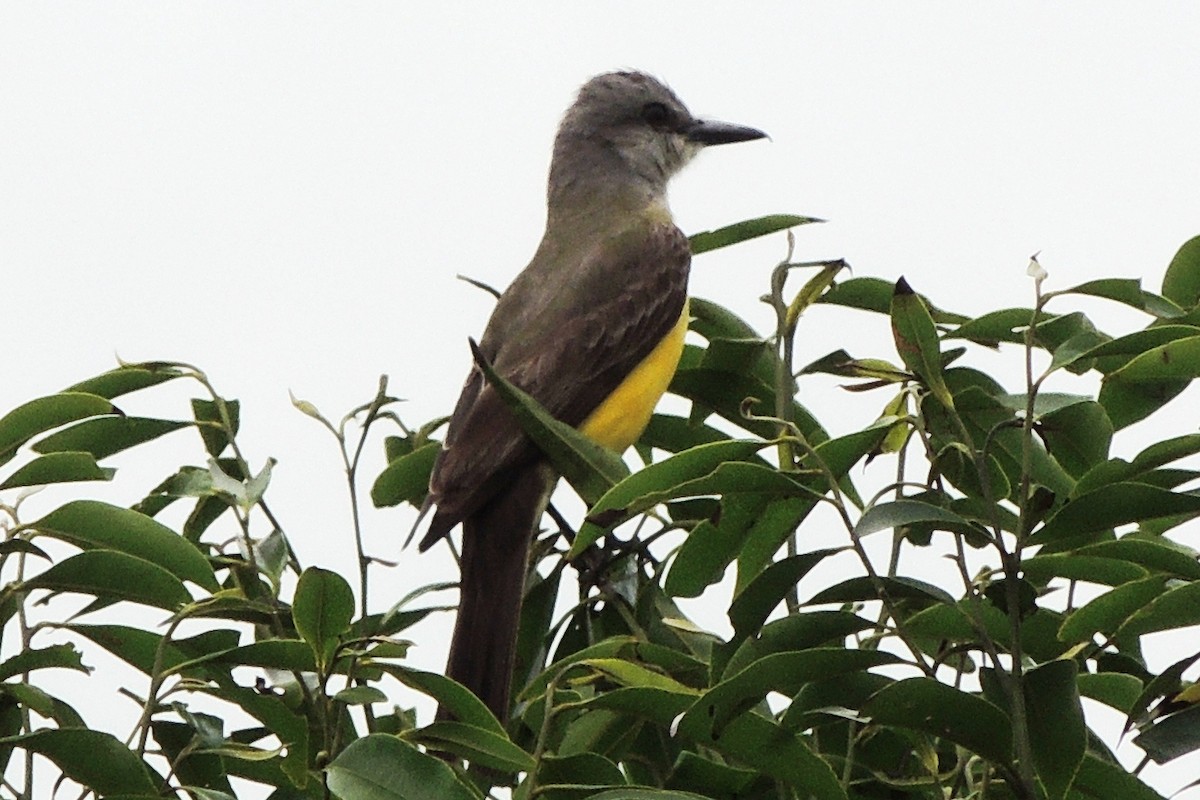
(859, 682)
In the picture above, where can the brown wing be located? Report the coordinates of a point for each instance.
(624, 298)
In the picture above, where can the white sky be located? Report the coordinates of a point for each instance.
(282, 193)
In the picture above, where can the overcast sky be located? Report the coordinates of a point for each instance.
(282, 193)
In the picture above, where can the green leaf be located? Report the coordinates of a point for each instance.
(477, 745)
(1149, 553)
(141, 648)
(382, 767)
(1176, 360)
(90, 523)
(322, 610)
(1057, 733)
(48, 706)
(754, 603)
(1115, 353)
(126, 379)
(743, 231)
(1106, 780)
(110, 575)
(1176, 608)
(104, 436)
(94, 759)
(405, 479)
(451, 696)
(1172, 736)
(1127, 402)
(46, 413)
(917, 341)
(875, 294)
(1113, 505)
(1181, 283)
(1114, 689)
(657, 480)
(58, 468)
(62, 656)
(901, 513)
(1128, 291)
(1004, 325)
(935, 708)
(1106, 613)
(778, 672)
(588, 467)
(751, 739)
(863, 588)
(210, 417)
(290, 655)
(1078, 436)
(360, 696)
(1074, 566)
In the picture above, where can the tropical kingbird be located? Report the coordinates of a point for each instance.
(593, 329)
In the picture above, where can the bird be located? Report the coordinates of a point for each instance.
(593, 329)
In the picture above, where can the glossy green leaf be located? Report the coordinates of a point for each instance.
(752, 605)
(1100, 779)
(1176, 608)
(900, 513)
(104, 436)
(589, 468)
(477, 745)
(1172, 736)
(212, 417)
(1181, 283)
(92, 758)
(451, 696)
(1113, 505)
(1057, 733)
(60, 656)
(289, 655)
(863, 588)
(744, 231)
(1151, 554)
(751, 739)
(322, 610)
(58, 468)
(111, 575)
(1073, 566)
(1108, 612)
(779, 672)
(405, 479)
(126, 379)
(1128, 402)
(1176, 360)
(1114, 689)
(46, 413)
(40, 702)
(935, 708)
(1128, 291)
(658, 480)
(90, 523)
(917, 340)
(382, 767)
(1078, 436)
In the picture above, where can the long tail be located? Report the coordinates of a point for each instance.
(495, 555)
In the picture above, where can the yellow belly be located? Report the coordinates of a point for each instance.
(620, 419)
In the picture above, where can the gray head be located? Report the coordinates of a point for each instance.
(630, 130)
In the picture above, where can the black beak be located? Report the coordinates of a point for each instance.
(707, 132)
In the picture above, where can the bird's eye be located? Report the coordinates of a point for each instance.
(656, 115)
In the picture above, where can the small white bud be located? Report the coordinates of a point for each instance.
(1035, 270)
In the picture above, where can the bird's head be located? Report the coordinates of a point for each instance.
(632, 120)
